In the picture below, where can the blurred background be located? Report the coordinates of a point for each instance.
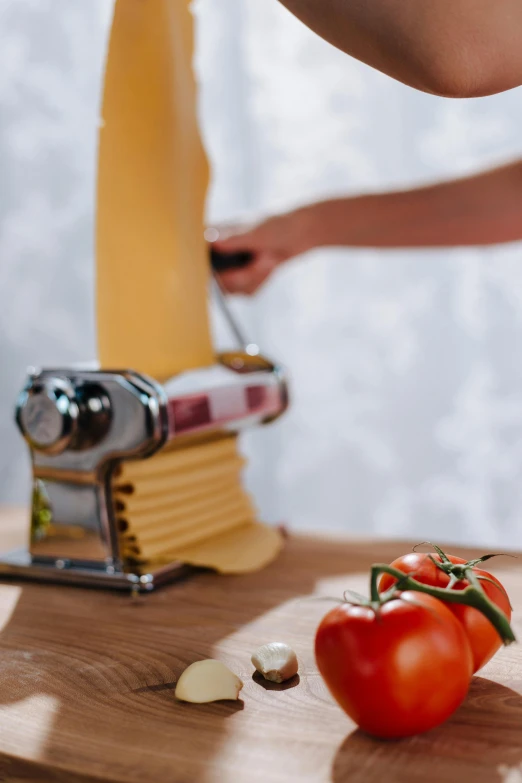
(407, 387)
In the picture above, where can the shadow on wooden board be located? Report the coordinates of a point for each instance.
(485, 735)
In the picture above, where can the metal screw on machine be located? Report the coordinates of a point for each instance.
(54, 415)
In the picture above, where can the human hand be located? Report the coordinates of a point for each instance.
(270, 243)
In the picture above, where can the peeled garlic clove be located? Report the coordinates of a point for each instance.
(206, 681)
(276, 661)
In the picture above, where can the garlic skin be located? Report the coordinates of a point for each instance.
(276, 661)
(206, 681)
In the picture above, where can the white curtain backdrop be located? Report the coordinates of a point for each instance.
(407, 385)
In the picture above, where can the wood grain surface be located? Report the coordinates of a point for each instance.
(87, 684)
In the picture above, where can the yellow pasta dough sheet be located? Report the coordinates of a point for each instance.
(153, 272)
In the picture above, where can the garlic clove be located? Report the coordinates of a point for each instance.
(276, 661)
(206, 681)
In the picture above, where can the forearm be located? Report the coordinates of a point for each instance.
(457, 48)
(481, 210)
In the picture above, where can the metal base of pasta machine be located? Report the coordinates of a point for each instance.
(18, 565)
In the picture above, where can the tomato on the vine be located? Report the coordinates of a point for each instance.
(397, 669)
(483, 637)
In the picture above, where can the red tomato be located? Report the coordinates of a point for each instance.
(483, 638)
(397, 672)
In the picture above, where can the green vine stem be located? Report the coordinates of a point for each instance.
(473, 596)
(458, 572)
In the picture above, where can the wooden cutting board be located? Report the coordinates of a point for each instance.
(87, 684)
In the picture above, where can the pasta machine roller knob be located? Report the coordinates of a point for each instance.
(54, 414)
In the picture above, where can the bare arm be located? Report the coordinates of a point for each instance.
(482, 210)
(455, 48)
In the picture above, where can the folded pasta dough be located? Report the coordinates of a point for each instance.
(152, 277)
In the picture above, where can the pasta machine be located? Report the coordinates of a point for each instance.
(81, 423)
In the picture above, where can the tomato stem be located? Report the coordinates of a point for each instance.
(457, 569)
(443, 556)
(479, 560)
(458, 572)
(473, 596)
